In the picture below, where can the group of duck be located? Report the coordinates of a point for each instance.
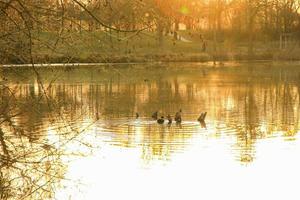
(177, 118)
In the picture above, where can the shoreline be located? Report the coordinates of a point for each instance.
(100, 60)
(207, 63)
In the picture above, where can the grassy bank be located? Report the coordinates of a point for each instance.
(153, 57)
(99, 47)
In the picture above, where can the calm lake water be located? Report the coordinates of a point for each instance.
(71, 133)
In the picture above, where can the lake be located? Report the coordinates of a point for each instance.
(72, 132)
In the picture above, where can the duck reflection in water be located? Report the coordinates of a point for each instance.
(161, 120)
(155, 115)
(169, 119)
(178, 118)
(201, 119)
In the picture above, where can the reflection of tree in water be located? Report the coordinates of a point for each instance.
(266, 111)
(247, 137)
(252, 110)
(31, 155)
(161, 142)
(155, 141)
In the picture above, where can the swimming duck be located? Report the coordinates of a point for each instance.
(155, 115)
(161, 120)
(202, 117)
(178, 118)
(169, 119)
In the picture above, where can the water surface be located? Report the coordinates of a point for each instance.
(73, 133)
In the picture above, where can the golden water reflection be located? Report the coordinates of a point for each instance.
(91, 109)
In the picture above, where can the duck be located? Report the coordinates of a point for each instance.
(169, 119)
(202, 117)
(161, 120)
(155, 115)
(178, 118)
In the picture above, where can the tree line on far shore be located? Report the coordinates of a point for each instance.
(237, 20)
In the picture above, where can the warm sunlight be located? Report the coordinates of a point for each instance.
(149, 99)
